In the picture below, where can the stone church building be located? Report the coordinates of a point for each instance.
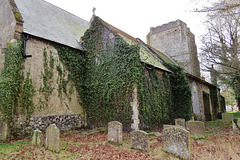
(43, 26)
(176, 40)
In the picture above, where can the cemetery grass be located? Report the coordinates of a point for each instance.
(220, 143)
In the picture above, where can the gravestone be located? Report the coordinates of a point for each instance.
(167, 126)
(176, 140)
(196, 128)
(139, 140)
(115, 132)
(236, 124)
(227, 117)
(52, 138)
(180, 122)
(37, 138)
(4, 130)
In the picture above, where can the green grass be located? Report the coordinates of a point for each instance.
(15, 145)
(236, 114)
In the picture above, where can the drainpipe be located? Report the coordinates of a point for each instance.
(24, 46)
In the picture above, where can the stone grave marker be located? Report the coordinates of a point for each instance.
(115, 132)
(227, 117)
(180, 122)
(196, 128)
(167, 126)
(236, 124)
(52, 138)
(139, 140)
(4, 130)
(37, 138)
(177, 140)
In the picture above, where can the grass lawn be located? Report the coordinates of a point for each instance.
(220, 143)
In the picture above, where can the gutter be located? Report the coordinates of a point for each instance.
(25, 39)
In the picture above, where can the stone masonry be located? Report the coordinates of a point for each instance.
(63, 122)
(176, 40)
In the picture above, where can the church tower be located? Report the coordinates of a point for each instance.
(176, 40)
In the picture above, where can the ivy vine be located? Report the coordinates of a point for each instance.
(15, 90)
(105, 76)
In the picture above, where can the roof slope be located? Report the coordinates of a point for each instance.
(47, 21)
(148, 54)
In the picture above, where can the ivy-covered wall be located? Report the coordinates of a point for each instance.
(56, 93)
(112, 69)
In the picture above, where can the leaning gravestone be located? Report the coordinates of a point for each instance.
(177, 140)
(37, 138)
(196, 128)
(227, 117)
(115, 132)
(139, 140)
(180, 122)
(236, 124)
(52, 138)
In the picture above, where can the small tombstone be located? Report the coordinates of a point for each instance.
(167, 126)
(139, 140)
(236, 124)
(37, 138)
(196, 128)
(180, 122)
(4, 130)
(52, 138)
(115, 132)
(227, 117)
(177, 140)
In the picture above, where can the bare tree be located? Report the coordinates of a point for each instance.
(221, 45)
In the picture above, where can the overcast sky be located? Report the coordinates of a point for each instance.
(135, 17)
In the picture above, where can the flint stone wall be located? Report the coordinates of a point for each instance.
(177, 140)
(63, 122)
(227, 117)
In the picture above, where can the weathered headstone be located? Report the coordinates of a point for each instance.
(115, 132)
(167, 126)
(4, 130)
(180, 122)
(52, 138)
(177, 140)
(139, 140)
(236, 124)
(37, 138)
(196, 128)
(227, 117)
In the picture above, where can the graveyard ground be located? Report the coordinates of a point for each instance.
(220, 143)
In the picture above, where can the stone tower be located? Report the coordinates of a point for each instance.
(176, 40)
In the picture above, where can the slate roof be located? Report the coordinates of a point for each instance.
(148, 54)
(47, 21)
